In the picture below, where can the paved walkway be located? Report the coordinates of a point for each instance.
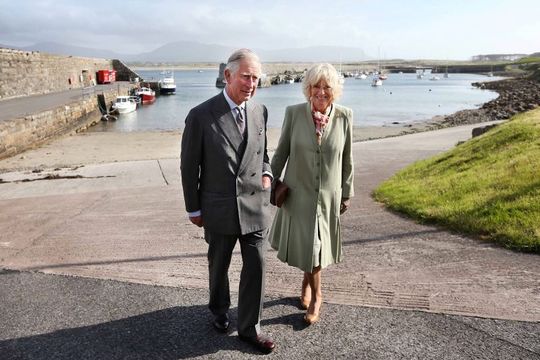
(27, 105)
(125, 221)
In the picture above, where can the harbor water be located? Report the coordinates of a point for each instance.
(402, 99)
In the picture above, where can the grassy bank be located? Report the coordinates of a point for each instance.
(488, 186)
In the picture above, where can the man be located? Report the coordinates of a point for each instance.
(226, 179)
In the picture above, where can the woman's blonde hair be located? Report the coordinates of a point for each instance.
(325, 72)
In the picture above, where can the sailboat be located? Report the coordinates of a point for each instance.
(376, 81)
(340, 73)
(378, 77)
(361, 76)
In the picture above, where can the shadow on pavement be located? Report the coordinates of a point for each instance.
(179, 332)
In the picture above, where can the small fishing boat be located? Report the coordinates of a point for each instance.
(167, 85)
(147, 95)
(124, 104)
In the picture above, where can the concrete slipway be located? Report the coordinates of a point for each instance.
(136, 276)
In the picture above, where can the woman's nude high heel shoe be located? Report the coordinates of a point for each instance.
(311, 319)
(304, 304)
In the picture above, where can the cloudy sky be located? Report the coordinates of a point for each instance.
(410, 29)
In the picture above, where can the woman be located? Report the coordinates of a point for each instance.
(315, 143)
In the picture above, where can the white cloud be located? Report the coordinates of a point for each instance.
(408, 28)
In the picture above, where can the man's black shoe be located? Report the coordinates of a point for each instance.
(262, 342)
(221, 323)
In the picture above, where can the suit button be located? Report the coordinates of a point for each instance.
(258, 152)
(253, 193)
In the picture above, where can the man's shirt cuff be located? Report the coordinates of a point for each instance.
(268, 173)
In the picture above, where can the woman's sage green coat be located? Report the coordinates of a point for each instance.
(318, 178)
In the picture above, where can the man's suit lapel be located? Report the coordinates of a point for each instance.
(227, 123)
(255, 129)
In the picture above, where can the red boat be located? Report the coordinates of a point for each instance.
(147, 95)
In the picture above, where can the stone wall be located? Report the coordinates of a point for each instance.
(20, 134)
(123, 73)
(24, 73)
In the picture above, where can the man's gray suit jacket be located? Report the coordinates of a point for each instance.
(222, 173)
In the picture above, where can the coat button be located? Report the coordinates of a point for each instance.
(253, 193)
(253, 174)
(258, 152)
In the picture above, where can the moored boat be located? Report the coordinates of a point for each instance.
(361, 76)
(376, 81)
(124, 104)
(147, 95)
(167, 85)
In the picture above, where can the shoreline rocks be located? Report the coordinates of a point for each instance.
(516, 95)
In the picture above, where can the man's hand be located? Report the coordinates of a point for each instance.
(197, 220)
(266, 181)
(345, 203)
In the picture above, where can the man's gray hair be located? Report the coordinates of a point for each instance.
(233, 63)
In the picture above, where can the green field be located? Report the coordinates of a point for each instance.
(488, 187)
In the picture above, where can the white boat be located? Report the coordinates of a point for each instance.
(124, 104)
(166, 84)
(376, 81)
(361, 76)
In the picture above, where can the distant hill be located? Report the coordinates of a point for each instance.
(188, 51)
(314, 53)
(62, 49)
(184, 51)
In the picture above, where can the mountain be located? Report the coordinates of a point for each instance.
(56, 48)
(188, 51)
(314, 53)
(69, 50)
(185, 51)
